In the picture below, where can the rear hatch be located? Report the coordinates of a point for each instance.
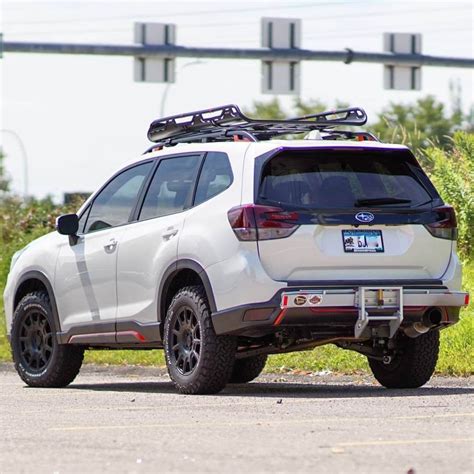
(350, 214)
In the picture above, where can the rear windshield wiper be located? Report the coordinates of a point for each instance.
(286, 205)
(380, 201)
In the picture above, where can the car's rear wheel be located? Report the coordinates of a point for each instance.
(198, 360)
(245, 370)
(39, 359)
(412, 366)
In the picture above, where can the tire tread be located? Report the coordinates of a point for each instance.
(246, 370)
(416, 365)
(67, 360)
(217, 358)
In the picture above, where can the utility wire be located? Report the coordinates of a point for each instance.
(207, 25)
(188, 13)
(240, 10)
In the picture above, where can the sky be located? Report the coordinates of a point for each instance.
(79, 118)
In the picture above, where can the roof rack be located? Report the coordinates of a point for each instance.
(227, 122)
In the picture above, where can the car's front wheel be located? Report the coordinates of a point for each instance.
(412, 366)
(39, 359)
(198, 360)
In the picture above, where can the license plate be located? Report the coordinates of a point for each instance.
(362, 241)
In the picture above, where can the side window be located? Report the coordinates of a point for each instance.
(114, 204)
(171, 187)
(216, 176)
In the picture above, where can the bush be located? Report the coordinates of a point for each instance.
(452, 172)
(20, 223)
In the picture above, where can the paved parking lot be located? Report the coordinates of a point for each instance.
(131, 420)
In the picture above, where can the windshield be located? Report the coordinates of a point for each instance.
(341, 179)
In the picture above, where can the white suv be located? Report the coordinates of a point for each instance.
(223, 244)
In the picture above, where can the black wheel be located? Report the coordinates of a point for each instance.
(248, 369)
(39, 359)
(413, 366)
(198, 360)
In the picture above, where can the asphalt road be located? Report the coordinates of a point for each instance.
(131, 420)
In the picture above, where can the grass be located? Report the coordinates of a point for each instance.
(457, 343)
(456, 354)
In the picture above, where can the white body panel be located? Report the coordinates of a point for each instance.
(85, 282)
(241, 279)
(38, 256)
(146, 250)
(207, 237)
(315, 252)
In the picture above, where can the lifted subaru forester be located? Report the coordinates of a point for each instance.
(224, 243)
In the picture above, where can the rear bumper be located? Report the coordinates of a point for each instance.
(332, 310)
(339, 298)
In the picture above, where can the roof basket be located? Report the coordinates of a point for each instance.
(225, 122)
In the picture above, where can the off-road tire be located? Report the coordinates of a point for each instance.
(413, 366)
(63, 362)
(245, 370)
(216, 353)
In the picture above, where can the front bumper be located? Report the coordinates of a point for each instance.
(337, 311)
(8, 306)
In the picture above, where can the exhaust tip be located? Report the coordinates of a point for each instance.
(433, 317)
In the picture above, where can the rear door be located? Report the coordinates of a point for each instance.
(360, 215)
(149, 245)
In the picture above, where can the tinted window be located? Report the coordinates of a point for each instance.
(215, 177)
(115, 202)
(339, 179)
(171, 187)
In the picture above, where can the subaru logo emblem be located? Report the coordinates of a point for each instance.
(364, 217)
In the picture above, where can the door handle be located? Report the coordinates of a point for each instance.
(168, 233)
(110, 247)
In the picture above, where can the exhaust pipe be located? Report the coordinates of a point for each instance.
(431, 318)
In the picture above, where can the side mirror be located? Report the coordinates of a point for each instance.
(67, 224)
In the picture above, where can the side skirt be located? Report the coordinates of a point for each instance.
(111, 334)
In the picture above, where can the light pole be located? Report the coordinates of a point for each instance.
(169, 84)
(25, 158)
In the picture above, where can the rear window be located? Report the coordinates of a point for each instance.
(335, 179)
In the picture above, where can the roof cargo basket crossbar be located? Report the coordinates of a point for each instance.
(227, 122)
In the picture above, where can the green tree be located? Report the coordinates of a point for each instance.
(266, 110)
(309, 107)
(274, 110)
(419, 125)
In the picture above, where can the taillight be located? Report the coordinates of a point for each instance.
(446, 225)
(254, 222)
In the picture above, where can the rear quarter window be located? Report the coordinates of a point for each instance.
(216, 176)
